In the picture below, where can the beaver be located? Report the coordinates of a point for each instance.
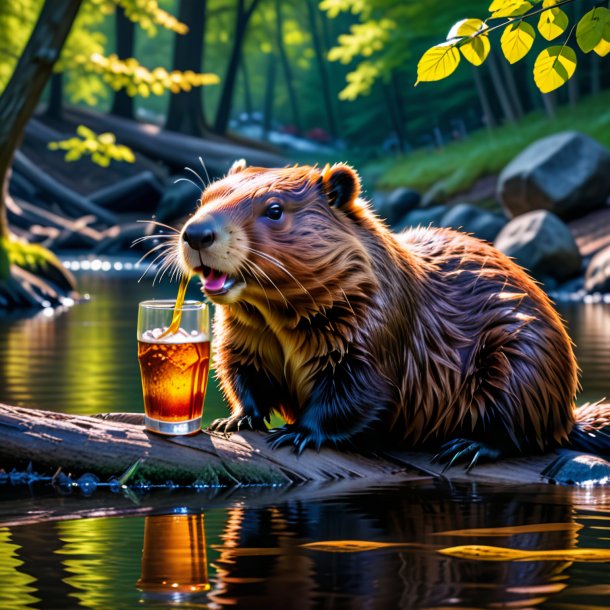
(361, 337)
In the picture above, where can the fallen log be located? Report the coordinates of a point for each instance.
(68, 199)
(107, 445)
(175, 149)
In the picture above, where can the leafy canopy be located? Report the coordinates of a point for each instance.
(554, 65)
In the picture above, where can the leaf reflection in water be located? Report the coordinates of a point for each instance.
(498, 553)
(513, 530)
(358, 546)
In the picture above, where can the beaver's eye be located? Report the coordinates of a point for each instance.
(274, 211)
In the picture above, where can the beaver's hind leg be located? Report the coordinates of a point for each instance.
(249, 393)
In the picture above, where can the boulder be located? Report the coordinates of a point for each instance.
(597, 276)
(471, 219)
(567, 173)
(422, 217)
(541, 243)
(398, 203)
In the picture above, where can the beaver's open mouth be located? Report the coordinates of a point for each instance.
(215, 282)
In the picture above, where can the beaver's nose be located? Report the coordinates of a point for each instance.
(199, 235)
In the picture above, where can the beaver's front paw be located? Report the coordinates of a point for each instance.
(235, 423)
(295, 436)
(463, 450)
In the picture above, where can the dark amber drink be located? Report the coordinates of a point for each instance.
(174, 368)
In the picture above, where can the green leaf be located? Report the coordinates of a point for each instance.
(602, 48)
(438, 62)
(590, 28)
(516, 41)
(552, 23)
(554, 67)
(509, 8)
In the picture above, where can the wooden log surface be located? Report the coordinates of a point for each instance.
(107, 445)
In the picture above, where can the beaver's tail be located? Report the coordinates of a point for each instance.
(591, 431)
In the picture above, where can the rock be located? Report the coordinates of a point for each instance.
(422, 217)
(398, 203)
(597, 276)
(541, 243)
(567, 173)
(179, 199)
(471, 219)
(438, 191)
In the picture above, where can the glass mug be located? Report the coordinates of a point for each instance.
(174, 367)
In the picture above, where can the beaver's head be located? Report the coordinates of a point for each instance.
(279, 238)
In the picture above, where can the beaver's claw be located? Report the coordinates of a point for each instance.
(289, 434)
(461, 450)
(235, 423)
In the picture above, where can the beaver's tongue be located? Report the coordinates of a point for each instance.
(214, 280)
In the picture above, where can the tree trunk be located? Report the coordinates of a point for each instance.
(248, 106)
(394, 117)
(185, 113)
(22, 93)
(500, 89)
(123, 104)
(596, 76)
(281, 49)
(269, 95)
(242, 17)
(321, 60)
(56, 90)
(488, 116)
(548, 99)
(511, 86)
(108, 445)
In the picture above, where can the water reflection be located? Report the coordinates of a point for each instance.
(259, 555)
(174, 558)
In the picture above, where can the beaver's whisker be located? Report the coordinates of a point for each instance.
(205, 169)
(160, 224)
(189, 169)
(264, 274)
(184, 179)
(167, 265)
(151, 263)
(164, 245)
(281, 267)
(139, 240)
(255, 276)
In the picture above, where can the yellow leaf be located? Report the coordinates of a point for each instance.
(438, 62)
(552, 23)
(509, 8)
(466, 27)
(476, 49)
(549, 3)
(554, 67)
(516, 41)
(591, 27)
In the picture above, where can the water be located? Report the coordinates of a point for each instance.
(248, 547)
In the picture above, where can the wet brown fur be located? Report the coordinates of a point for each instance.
(354, 331)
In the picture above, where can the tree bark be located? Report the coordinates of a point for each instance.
(242, 17)
(123, 104)
(511, 86)
(56, 93)
(281, 49)
(186, 113)
(107, 445)
(248, 105)
(22, 93)
(313, 11)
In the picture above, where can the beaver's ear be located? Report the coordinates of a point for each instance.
(237, 167)
(341, 184)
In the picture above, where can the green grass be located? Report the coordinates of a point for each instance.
(486, 152)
